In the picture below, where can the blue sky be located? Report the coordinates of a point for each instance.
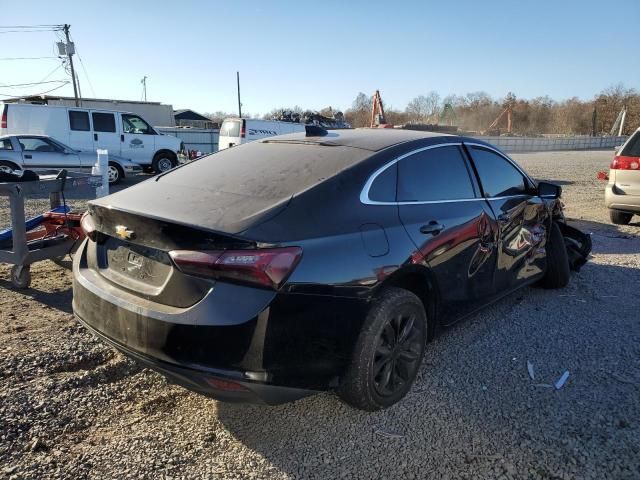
(315, 54)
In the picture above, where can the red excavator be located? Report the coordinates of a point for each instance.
(377, 113)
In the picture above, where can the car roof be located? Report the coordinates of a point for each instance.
(372, 139)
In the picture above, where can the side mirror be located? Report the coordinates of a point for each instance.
(549, 190)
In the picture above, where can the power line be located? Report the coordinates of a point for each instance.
(29, 31)
(84, 69)
(29, 58)
(31, 26)
(34, 83)
(51, 73)
(34, 94)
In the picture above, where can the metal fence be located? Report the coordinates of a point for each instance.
(206, 141)
(203, 140)
(542, 144)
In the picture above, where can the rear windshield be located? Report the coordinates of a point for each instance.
(266, 170)
(632, 149)
(230, 128)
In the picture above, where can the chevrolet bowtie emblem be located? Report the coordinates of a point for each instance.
(123, 232)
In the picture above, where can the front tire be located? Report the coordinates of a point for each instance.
(558, 271)
(620, 218)
(163, 162)
(388, 353)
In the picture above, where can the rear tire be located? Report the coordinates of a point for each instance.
(558, 272)
(163, 162)
(388, 353)
(8, 167)
(115, 173)
(620, 218)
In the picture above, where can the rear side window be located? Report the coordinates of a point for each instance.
(5, 144)
(383, 188)
(230, 128)
(434, 174)
(103, 122)
(632, 148)
(498, 176)
(79, 121)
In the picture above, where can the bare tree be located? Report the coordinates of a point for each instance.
(359, 115)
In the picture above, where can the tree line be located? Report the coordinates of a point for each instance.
(476, 111)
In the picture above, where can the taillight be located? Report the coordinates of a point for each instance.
(268, 267)
(625, 163)
(243, 129)
(3, 122)
(88, 226)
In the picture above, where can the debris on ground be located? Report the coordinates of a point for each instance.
(562, 380)
(532, 373)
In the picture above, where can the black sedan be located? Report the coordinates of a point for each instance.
(315, 261)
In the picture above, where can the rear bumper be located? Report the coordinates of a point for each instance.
(203, 381)
(278, 347)
(626, 203)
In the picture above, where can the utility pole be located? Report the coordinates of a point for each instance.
(239, 104)
(70, 51)
(144, 87)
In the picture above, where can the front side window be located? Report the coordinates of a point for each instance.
(498, 176)
(435, 174)
(32, 144)
(135, 124)
(5, 144)
(79, 121)
(103, 122)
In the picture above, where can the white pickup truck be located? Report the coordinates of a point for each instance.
(84, 129)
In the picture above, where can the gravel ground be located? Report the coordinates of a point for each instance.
(72, 408)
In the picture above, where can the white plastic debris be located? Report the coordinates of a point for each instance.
(384, 433)
(562, 380)
(532, 373)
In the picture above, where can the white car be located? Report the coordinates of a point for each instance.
(622, 194)
(18, 152)
(84, 129)
(236, 131)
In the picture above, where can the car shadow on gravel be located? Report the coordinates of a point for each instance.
(479, 411)
(608, 238)
(58, 299)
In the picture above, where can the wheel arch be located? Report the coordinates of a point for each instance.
(420, 281)
(165, 151)
(12, 162)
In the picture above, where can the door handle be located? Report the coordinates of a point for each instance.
(28, 156)
(432, 227)
(122, 137)
(95, 137)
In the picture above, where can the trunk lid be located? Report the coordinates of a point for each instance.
(131, 253)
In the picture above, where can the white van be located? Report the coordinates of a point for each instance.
(121, 133)
(235, 131)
